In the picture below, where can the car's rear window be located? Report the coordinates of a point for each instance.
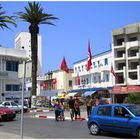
(104, 111)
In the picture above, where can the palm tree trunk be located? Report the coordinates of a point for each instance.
(34, 30)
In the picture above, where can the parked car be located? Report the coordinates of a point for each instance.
(120, 118)
(14, 106)
(7, 114)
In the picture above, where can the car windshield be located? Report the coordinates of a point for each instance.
(135, 109)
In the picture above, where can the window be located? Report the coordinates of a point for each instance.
(87, 81)
(82, 68)
(13, 104)
(12, 87)
(7, 104)
(107, 77)
(104, 111)
(132, 39)
(106, 61)
(120, 112)
(98, 63)
(11, 66)
(79, 69)
(70, 83)
(75, 70)
(86, 66)
(99, 79)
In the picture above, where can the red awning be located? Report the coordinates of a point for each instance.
(125, 89)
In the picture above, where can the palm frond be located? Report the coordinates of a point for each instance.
(4, 19)
(34, 14)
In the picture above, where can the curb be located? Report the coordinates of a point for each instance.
(39, 111)
(53, 117)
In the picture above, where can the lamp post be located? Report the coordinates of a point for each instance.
(22, 100)
(50, 85)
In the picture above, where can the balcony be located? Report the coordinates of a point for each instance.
(132, 44)
(136, 56)
(133, 68)
(119, 46)
(122, 57)
(120, 70)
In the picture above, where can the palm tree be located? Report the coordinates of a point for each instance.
(35, 16)
(4, 19)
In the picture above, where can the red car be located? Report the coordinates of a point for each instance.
(7, 114)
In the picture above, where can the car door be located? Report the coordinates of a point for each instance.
(104, 117)
(121, 122)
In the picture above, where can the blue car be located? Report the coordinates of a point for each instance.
(120, 118)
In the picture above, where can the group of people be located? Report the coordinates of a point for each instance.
(74, 107)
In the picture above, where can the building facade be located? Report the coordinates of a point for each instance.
(23, 42)
(126, 52)
(10, 85)
(56, 82)
(126, 58)
(98, 76)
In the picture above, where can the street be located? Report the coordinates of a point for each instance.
(39, 128)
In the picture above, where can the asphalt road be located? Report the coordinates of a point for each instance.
(50, 129)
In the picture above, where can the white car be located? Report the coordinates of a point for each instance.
(14, 106)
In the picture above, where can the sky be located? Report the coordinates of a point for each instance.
(79, 21)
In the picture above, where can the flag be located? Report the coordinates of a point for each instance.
(78, 79)
(43, 85)
(89, 63)
(113, 72)
(54, 81)
(64, 66)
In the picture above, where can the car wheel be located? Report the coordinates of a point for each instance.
(94, 129)
(138, 133)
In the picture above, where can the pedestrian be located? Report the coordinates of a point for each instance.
(61, 110)
(71, 107)
(77, 109)
(97, 102)
(89, 104)
(56, 109)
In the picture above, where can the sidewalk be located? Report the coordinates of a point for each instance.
(4, 135)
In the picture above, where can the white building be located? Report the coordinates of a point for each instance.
(126, 58)
(23, 42)
(98, 76)
(126, 52)
(10, 85)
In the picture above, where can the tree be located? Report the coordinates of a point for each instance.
(4, 19)
(35, 16)
(133, 98)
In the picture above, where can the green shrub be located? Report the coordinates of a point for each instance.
(133, 98)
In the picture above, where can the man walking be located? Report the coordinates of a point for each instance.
(71, 107)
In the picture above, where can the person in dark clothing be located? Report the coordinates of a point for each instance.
(77, 109)
(71, 106)
(89, 104)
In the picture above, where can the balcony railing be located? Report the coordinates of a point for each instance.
(132, 44)
(119, 46)
(120, 58)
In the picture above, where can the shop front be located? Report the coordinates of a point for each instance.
(121, 92)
